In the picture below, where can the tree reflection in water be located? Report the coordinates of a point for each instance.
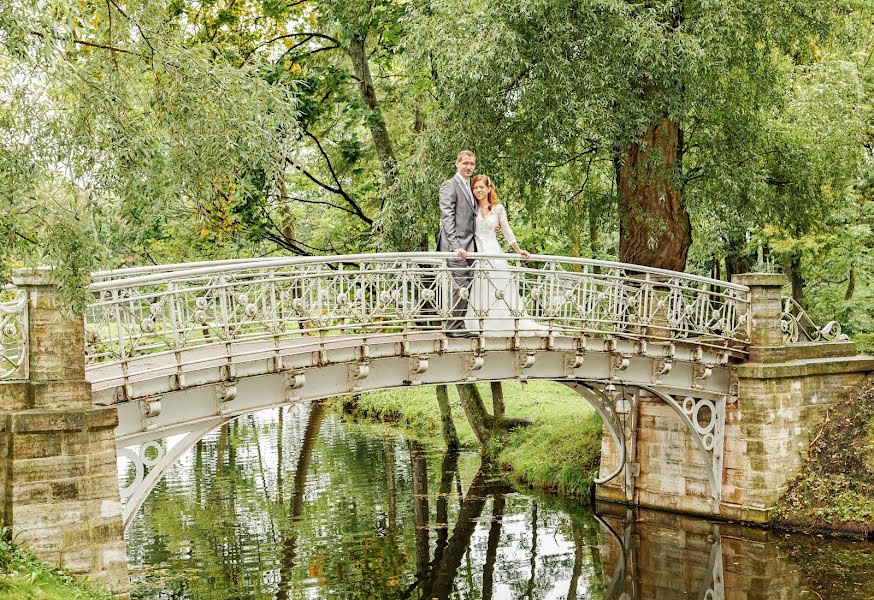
(355, 520)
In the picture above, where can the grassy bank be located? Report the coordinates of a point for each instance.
(558, 452)
(23, 577)
(835, 490)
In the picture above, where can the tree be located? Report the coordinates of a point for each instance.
(487, 428)
(114, 126)
(679, 104)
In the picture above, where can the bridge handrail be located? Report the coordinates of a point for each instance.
(373, 294)
(108, 279)
(798, 327)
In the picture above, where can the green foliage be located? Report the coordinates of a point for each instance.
(114, 125)
(23, 576)
(561, 454)
(839, 569)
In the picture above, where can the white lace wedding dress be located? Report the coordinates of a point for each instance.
(494, 294)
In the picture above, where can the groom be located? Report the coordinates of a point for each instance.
(457, 227)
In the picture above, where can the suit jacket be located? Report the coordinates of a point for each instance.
(457, 217)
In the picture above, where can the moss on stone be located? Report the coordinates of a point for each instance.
(835, 490)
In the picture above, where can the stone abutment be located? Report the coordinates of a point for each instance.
(59, 492)
(782, 395)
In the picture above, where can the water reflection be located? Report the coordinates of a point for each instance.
(300, 504)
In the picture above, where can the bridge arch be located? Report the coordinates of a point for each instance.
(208, 406)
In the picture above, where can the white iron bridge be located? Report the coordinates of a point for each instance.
(182, 348)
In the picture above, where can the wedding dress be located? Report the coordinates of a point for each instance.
(494, 294)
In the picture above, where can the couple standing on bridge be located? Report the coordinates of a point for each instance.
(470, 218)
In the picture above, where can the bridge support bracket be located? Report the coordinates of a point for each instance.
(416, 366)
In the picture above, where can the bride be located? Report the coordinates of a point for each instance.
(494, 295)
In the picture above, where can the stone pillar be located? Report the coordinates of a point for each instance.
(766, 333)
(57, 450)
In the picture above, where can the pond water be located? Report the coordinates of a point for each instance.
(300, 503)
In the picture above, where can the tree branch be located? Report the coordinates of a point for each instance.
(356, 209)
(308, 34)
(590, 150)
(585, 181)
(140, 29)
(346, 210)
(110, 48)
(25, 238)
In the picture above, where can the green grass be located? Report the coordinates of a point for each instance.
(560, 451)
(24, 577)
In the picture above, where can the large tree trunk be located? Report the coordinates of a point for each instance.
(655, 229)
(594, 246)
(579, 545)
(381, 139)
(441, 518)
(851, 285)
(492, 545)
(497, 399)
(388, 451)
(529, 590)
(738, 259)
(318, 411)
(475, 411)
(442, 583)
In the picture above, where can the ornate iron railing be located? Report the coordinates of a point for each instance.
(799, 327)
(13, 334)
(135, 313)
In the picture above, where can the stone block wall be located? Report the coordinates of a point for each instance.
(672, 469)
(780, 409)
(58, 471)
(62, 506)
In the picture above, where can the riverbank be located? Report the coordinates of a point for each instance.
(23, 577)
(834, 493)
(558, 452)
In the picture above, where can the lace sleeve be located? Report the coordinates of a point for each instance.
(505, 225)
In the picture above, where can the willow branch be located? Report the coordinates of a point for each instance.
(308, 34)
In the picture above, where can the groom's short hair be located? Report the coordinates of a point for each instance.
(464, 153)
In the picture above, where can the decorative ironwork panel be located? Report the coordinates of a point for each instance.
(135, 313)
(13, 334)
(799, 327)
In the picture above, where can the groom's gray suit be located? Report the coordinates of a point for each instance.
(457, 228)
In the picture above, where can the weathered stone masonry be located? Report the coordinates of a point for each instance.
(58, 472)
(782, 395)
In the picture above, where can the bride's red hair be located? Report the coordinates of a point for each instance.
(493, 195)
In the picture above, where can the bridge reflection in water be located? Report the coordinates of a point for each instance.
(308, 505)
